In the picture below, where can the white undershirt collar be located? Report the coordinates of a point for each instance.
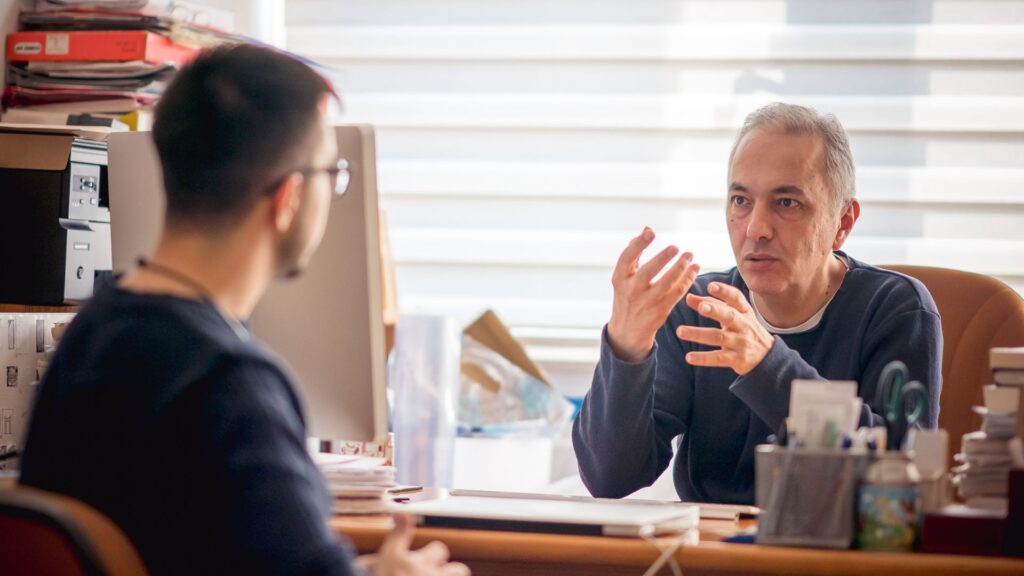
(809, 324)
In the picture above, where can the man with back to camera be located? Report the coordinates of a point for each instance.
(717, 369)
(159, 408)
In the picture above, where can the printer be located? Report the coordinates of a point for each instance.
(56, 234)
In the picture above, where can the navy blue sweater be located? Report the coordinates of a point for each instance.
(188, 436)
(624, 431)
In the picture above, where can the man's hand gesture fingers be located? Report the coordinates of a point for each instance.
(731, 295)
(707, 336)
(648, 271)
(715, 309)
(630, 257)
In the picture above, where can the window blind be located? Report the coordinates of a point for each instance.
(521, 144)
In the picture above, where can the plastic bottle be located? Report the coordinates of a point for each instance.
(887, 504)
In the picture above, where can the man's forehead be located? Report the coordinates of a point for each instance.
(788, 158)
(782, 189)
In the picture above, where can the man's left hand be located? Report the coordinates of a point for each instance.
(742, 340)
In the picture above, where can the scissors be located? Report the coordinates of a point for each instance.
(898, 394)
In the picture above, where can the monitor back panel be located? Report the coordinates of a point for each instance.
(136, 197)
(326, 324)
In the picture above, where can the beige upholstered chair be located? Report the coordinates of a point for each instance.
(978, 312)
(45, 534)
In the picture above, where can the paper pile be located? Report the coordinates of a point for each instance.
(358, 484)
(986, 455)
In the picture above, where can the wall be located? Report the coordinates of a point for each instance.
(8, 16)
(8, 24)
(259, 19)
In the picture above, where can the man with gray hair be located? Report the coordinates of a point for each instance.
(711, 358)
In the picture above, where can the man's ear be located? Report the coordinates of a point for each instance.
(285, 202)
(846, 221)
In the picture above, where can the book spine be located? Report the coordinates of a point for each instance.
(1020, 416)
(1008, 380)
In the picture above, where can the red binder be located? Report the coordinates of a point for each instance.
(77, 46)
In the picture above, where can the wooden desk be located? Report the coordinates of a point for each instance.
(510, 553)
(25, 309)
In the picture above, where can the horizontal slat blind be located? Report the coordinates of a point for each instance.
(521, 144)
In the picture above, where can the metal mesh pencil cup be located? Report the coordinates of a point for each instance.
(807, 496)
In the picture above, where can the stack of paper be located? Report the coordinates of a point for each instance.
(160, 15)
(359, 484)
(116, 54)
(982, 478)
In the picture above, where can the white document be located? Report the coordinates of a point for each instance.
(821, 411)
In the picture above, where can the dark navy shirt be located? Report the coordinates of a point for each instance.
(188, 434)
(624, 431)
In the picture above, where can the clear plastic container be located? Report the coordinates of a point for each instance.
(424, 378)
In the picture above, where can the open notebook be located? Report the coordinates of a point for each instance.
(562, 516)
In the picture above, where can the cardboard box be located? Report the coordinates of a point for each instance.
(18, 153)
(489, 330)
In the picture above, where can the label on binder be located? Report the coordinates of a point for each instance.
(58, 44)
(28, 48)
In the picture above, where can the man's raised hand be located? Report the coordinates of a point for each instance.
(642, 304)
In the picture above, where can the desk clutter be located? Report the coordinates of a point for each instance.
(990, 474)
(986, 457)
(27, 344)
(825, 483)
(359, 475)
(102, 63)
(477, 382)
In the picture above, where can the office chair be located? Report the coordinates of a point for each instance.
(45, 534)
(978, 312)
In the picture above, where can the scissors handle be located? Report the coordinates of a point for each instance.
(897, 396)
(914, 395)
(894, 375)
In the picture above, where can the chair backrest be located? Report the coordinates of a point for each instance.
(43, 534)
(978, 313)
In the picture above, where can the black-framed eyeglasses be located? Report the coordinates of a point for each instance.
(338, 173)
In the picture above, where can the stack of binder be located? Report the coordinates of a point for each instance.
(101, 58)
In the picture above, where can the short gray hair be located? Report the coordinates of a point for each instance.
(792, 119)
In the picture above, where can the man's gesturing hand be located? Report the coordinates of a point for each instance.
(742, 340)
(642, 305)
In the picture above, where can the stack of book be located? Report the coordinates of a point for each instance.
(1007, 366)
(985, 456)
(96, 61)
(359, 484)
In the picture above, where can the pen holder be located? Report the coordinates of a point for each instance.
(807, 495)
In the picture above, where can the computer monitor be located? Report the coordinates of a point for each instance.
(327, 324)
